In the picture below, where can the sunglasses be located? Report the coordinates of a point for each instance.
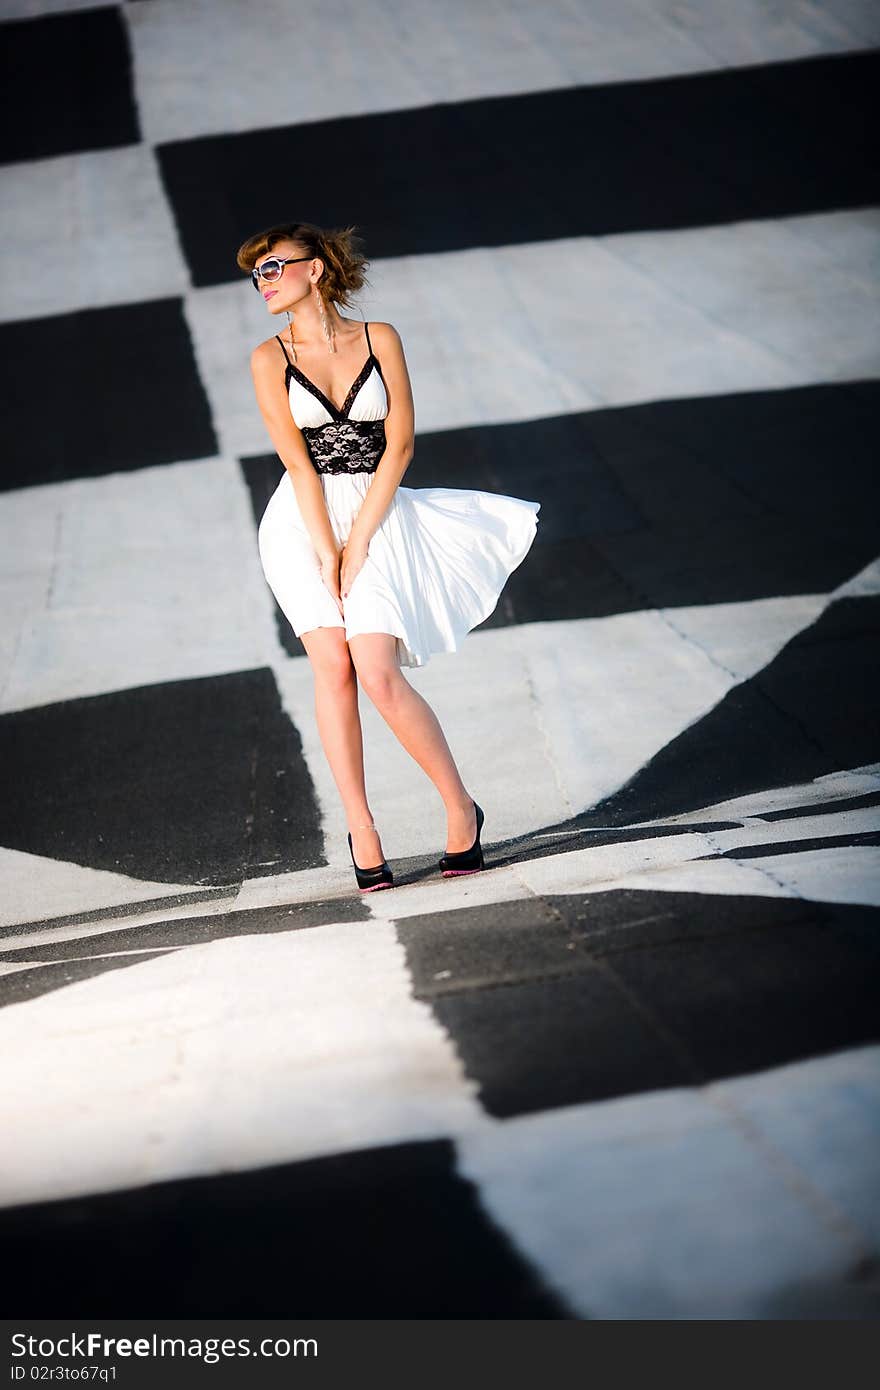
(273, 268)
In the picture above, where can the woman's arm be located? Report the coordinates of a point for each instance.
(399, 436)
(290, 447)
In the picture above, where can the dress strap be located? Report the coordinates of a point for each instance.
(369, 344)
(284, 350)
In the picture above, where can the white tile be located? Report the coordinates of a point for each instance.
(743, 638)
(119, 243)
(690, 864)
(751, 31)
(230, 1055)
(132, 579)
(705, 861)
(671, 864)
(779, 285)
(838, 874)
(230, 65)
(670, 315)
(863, 820)
(853, 243)
(824, 1117)
(613, 691)
(660, 1206)
(861, 585)
(34, 888)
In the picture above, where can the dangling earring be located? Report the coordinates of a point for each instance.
(290, 333)
(329, 334)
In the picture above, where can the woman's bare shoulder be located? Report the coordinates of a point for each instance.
(384, 334)
(265, 352)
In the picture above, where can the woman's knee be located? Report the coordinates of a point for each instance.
(329, 656)
(380, 681)
(374, 658)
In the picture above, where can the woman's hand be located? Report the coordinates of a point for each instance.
(354, 553)
(329, 564)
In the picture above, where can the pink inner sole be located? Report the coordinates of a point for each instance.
(374, 886)
(457, 873)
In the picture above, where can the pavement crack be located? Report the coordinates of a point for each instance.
(663, 614)
(825, 1209)
(546, 742)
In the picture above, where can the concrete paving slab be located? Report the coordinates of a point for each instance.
(34, 886)
(775, 283)
(839, 875)
(825, 1120)
(573, 1056)
(342, 1057)
(110, 575)
(658, 1207)
(495, 48)
(125, 246)
(662, 335)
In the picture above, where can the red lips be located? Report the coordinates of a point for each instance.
(270, 294)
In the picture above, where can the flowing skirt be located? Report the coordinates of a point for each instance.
(435, 567)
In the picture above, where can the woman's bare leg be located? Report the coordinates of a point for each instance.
(417, 728)
(339, 727)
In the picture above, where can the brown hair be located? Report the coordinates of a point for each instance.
(340, 250)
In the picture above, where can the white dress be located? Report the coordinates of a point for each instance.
(438, 561)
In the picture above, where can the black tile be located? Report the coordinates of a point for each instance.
(831, 806)
(67, 84)
(101, 391)
(772, 849)
(535, 1020)
(621, 921)
(584, 997)
(769, 140)
(191, 781)
(693, 501)
(548, 1043)
(761, 997)
(734, 496)
(477, 948)
(700, 501)
(391, 1232)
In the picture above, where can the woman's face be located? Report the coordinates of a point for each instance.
(294, 284)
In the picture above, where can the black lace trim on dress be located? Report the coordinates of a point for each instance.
(336, 413)
(346, 446)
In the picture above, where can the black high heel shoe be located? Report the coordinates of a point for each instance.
(370, 879)
(465, 861)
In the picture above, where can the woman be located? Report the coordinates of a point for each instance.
(372, 576)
